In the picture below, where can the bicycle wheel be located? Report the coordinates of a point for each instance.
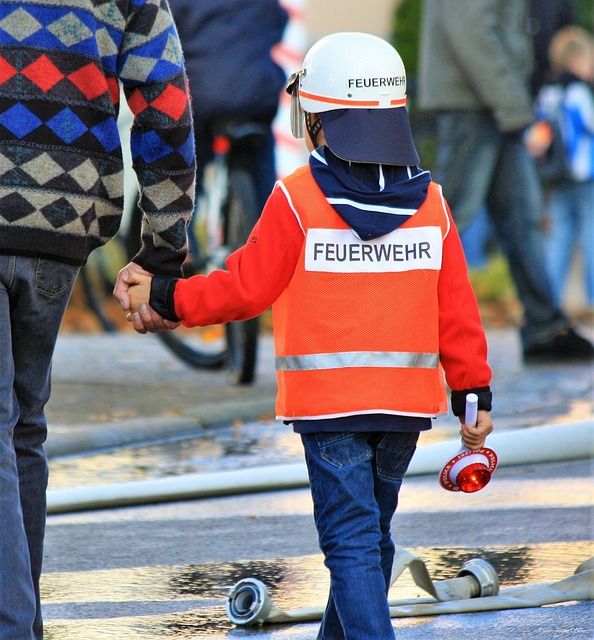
(192, 348)
(242, 336)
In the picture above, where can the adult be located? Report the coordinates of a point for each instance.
(61, 196)
(476, 65)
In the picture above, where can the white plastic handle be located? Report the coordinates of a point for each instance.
(471, 411)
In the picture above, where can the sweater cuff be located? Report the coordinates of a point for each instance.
(161, 297)
(458, 400)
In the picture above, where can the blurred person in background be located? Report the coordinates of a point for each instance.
(227, 47)
(567, 105)
(475, 70)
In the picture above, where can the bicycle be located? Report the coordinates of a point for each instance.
(226, 211)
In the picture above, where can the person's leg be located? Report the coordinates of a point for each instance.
(40, 292)
(17, 594)
(585, 212)
(475, 239)
(467, 154)
(515, 207)
(477, 164)
(264, 168)
(353, 529)
(560, 239)
(393, 453)
(340, 467)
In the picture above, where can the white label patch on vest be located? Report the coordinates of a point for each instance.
(341, 251)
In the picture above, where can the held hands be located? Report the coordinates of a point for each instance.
(142, 316)
(473, 436)
(132, 290)
(120, 291)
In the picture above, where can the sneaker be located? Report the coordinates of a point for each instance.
(564, 347)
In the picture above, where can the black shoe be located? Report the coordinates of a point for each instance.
(564, 347)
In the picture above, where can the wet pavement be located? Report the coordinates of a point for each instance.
(110, 390)
(123, 408)
(163, 571)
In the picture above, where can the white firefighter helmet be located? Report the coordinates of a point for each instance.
(357, 83)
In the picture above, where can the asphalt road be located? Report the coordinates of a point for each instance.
(123, 408)
(163, 571)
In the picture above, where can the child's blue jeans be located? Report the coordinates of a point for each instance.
(355, 479)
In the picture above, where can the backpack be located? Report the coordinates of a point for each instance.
(545, 138)
(553, 166)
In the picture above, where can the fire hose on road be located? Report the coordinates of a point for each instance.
(475, 588)
(561, 442)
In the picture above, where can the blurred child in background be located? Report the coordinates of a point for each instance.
(568, 104)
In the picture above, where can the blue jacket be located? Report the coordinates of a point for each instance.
(227, 48)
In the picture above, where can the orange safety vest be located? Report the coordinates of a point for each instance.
(356, 330)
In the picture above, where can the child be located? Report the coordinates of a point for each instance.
(358, 255)
(570, 103)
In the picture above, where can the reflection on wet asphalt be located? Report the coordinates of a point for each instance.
(141, 591)
(236, 446)
(163, 571)
(140, 595)
(189, 600)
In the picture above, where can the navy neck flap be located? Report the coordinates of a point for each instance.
(373, 199)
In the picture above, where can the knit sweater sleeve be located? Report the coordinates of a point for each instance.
(256, 274)
(463, 344)
(162, 140)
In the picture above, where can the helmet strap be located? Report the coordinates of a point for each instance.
(313, 128)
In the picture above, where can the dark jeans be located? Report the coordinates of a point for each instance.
(34, 294)
(478, 165)
(355, 479)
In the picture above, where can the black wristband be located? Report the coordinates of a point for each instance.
(161, 297)
(458, 400)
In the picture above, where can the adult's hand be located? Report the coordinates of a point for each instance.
(147, 319)
(120, 290)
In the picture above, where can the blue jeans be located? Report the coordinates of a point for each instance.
(33, 297)
(571, 215)
(475, 239)
(478, 165)
(355, 479)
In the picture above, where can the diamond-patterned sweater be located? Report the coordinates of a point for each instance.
(61, 171)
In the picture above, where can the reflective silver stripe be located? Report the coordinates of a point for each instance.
(397, 359)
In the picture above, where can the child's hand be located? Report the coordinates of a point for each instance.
(474, 436)
(139, 291)
(141, 315)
